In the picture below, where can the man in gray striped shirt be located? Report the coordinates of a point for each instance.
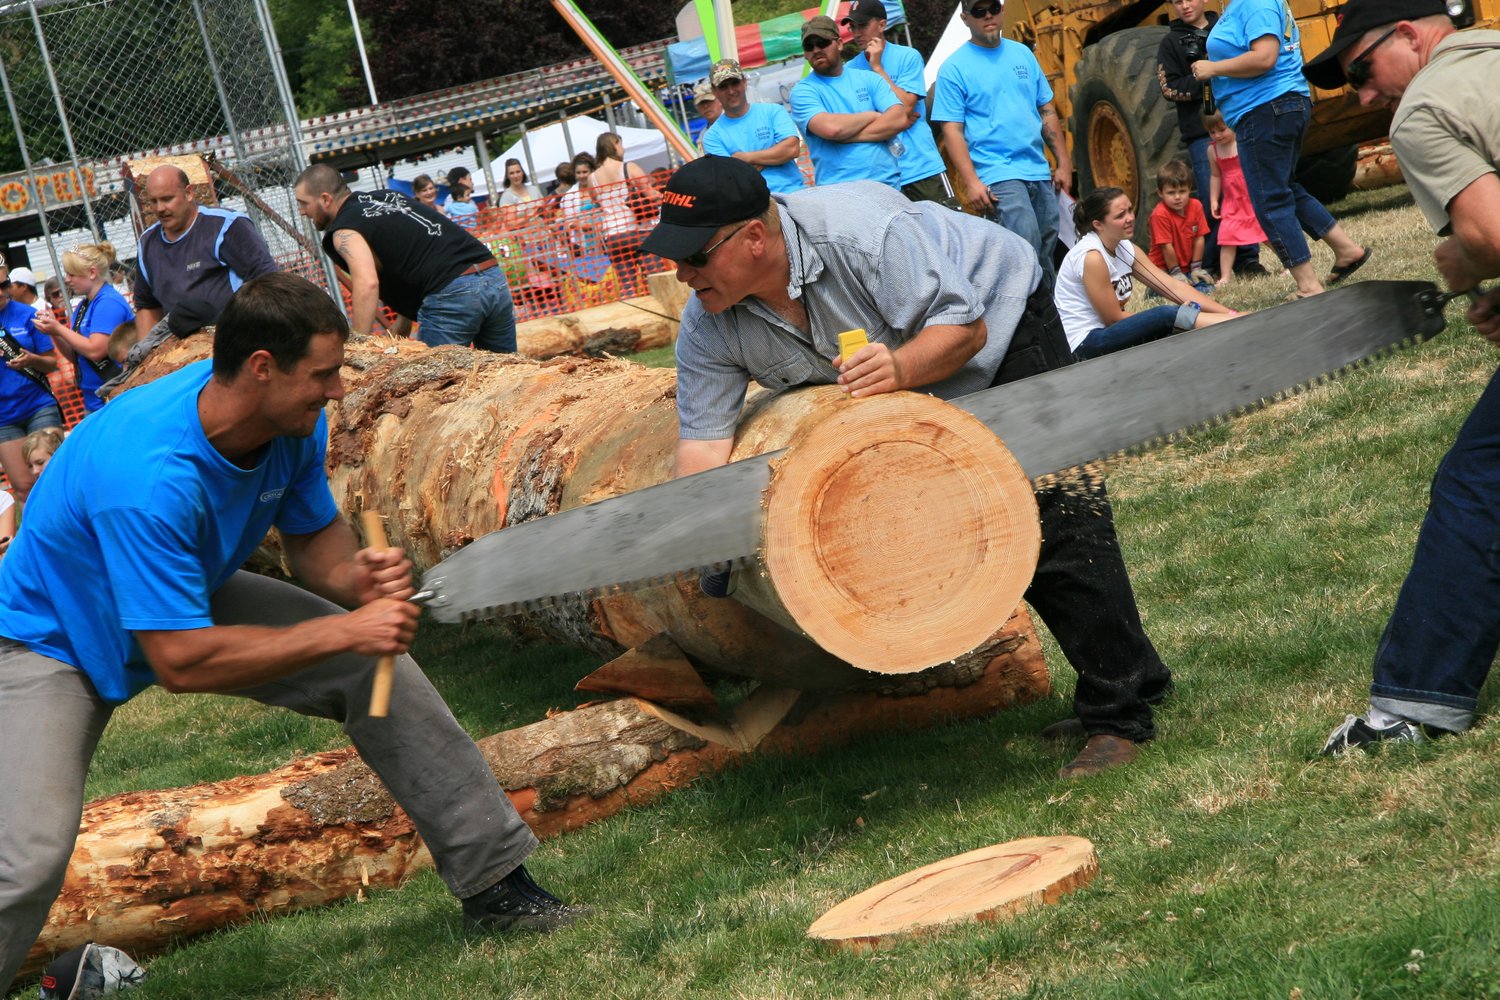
(952, 304)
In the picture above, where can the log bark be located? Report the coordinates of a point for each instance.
(990, 884)
(152, 867)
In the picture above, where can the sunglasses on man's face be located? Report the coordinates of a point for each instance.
(981, 11)
(700, 258)
(4, 285)
(808, 44)
(1359, 70)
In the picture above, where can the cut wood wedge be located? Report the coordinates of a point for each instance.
(990, 884)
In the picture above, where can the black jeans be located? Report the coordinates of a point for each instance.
(1081, 588)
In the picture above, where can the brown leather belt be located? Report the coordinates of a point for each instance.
(476, 268)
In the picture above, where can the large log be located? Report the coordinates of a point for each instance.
(613, 329)
(920, 564)
(150, 867)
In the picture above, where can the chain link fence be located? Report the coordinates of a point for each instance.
(92, 85)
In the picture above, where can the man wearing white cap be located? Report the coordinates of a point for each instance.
(23, 286)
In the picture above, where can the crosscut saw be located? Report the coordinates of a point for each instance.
(1071, 416)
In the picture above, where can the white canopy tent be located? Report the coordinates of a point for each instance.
(548, 147)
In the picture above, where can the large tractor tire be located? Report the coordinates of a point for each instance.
(1123, 128)
(1329, 176)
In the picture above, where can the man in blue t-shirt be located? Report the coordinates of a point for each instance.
(851, 117)
(996, 111)
(924, 176)
(191, 252)
(128, 575)
(760, 134)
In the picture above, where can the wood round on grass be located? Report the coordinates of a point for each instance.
(983, 886)
(899, 533)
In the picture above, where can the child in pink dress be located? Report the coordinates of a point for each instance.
(1228, 197)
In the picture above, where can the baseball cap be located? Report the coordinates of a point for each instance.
(861, 11)
(725, 70)
(22, 276)
(702, 196)
(821, 26)
(1354, 19)
(702, 91)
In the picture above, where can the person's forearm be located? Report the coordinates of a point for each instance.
(1169, 254)
(145, 321)
(840, 128)
(1056, 138)
(1198, 246)
(700, 456)
(784, 151)
(365, 304)
(324, 562)
(957, 148)
(231, 657)
(94, 347)
(937, 352)
(891, 123)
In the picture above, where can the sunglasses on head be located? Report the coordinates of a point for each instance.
(1359, 70)
(981, 10)
(808, 44)
(701, 257)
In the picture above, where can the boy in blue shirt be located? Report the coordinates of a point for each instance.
(128, 575)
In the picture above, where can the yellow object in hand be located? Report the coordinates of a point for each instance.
(850, 341)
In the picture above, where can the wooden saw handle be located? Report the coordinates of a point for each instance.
(385, 668)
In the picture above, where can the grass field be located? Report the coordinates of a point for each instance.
(1234, 863)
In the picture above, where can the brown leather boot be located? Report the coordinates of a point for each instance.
(1101, 753)
(1064, 730)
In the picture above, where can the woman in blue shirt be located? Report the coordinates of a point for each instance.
(1255, 63)
(100, 310)
(26, 401)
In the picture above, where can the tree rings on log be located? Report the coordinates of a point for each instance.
(899, 532)
(983, 886)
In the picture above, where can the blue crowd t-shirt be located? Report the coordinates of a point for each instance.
(1241, 24)
(905, 67)
(101, 314)
(138, 520)
(760, 127)
(997, 94)
(20, 397)
(852, 91)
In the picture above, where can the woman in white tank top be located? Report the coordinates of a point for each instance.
(1097, 278)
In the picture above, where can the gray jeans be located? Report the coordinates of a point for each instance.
(51, 720)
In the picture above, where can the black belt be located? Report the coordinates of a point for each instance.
(476, 268)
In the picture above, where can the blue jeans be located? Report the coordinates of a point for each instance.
(1138, 328)
(1270, 141)
(47, 416)
(1029, 209)
(472, 309)
(1443, 635)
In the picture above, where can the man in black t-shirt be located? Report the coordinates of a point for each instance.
(419, 262)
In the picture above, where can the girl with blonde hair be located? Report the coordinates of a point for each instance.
(100, 309)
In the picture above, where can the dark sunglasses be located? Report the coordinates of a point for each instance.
(700, 258)
(4, 284)
(1359, 69)
(808, 44)
(982, 11)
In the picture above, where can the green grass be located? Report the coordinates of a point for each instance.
(1234, 864)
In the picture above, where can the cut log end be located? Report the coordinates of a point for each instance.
(899, 532)
(990, 884)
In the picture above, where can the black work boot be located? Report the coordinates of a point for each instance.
(516, 903)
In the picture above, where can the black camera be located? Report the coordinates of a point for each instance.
(1195, 47)
(1461, 13)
